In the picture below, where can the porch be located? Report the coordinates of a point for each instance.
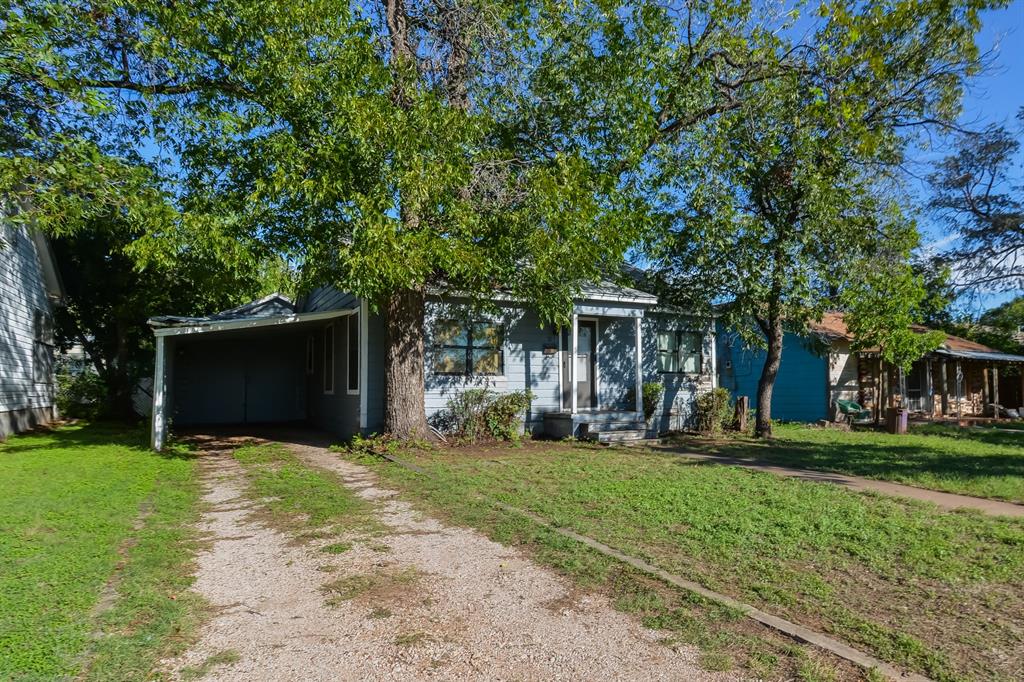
(945, 384)
(601, 376)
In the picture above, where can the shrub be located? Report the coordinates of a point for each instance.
(653, 392)
(714, 411)
(477, 414)
(80, 396)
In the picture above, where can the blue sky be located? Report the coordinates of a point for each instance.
(995, 97)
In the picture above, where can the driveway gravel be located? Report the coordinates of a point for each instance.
(423, 600)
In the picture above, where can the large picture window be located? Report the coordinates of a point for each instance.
(473, 348)
(679, 352)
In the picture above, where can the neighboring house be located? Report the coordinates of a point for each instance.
(320, 361)
(29, 288)
(958, 379)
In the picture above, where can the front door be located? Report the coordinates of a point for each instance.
(586, 364)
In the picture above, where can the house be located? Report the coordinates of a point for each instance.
(320, 361)
(29, 289)
(960, 378)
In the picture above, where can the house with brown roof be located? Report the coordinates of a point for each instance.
(959, 379)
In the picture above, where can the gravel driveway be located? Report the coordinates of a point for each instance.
(442, 602)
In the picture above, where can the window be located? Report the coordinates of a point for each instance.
(679, 352)
(42, 347)
(310, 357)
(474, 348)
(329, 359)
(353, 353)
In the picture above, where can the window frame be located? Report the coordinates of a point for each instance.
(329, 360)
(352, 368)
(678, 335)
(43, 346)
(469, 347)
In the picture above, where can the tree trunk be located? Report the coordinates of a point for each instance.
(772, 329)
(404, 412)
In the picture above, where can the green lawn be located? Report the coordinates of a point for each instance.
(983, 462)
(941, 593)
(69, 502)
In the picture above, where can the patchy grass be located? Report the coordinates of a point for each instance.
(940, 593)
(984, 462)
(382, 587)
(69, 524)
(226, 657)
(297, 497)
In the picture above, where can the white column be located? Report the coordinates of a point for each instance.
(159, 419)
(639, 368)
(574, 343)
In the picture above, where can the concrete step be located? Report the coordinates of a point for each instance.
(620, 436)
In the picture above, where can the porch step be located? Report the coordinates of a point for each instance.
(620, 436)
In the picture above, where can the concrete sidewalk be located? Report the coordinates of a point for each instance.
(944, 500)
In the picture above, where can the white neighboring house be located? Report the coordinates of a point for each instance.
(30, 287)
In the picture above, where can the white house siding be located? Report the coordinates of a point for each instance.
(24, 402)
(842, 374)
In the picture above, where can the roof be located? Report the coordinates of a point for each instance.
(269, 306)
(833, 326)
(609, 291)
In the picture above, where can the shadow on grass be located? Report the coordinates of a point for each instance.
(129, 436)
(883, 456)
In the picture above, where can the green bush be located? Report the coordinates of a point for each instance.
(80, 396)
(479, 414)
(714, 411)
(653, 392)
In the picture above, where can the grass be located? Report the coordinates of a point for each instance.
(983, 462)
(69, 523)
(297, 497)
(226, 657)
(940, 593)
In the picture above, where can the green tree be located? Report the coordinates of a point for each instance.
(979, 194)
(784, 204)
(395, 147)
(108, 300)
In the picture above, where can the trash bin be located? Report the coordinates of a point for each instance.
(896, 420)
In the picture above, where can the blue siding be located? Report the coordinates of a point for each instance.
(678, 409)
(800, 388)
(337, 412)
(327, 298)
(526, 365)
(616, 358)
(375, 374)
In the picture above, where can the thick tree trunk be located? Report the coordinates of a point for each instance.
(404, 412)
(766, 384)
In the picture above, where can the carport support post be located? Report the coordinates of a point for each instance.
(639, 369)
(159, 423)
(995, 390)
(944, 387)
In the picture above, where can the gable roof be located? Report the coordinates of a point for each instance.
(273, 305)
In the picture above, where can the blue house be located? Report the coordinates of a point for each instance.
(320, 361)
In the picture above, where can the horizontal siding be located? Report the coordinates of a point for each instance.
(526, 365)
(328, 298)
(22, 292)
(800, 387)
(678, 406)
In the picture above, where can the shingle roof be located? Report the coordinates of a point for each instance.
(268, 306)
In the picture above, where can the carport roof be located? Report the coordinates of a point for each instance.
(275, 310)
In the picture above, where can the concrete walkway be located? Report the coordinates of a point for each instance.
(944, 500)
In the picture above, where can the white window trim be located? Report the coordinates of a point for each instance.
(348, 354)
(334, 369)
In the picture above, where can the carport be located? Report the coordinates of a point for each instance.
(255, 365)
